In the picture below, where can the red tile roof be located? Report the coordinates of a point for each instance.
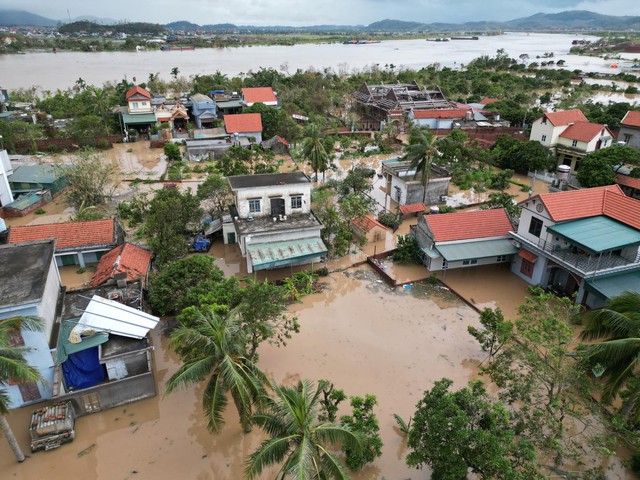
(487, 101)
(68, 235)
(126, 258)
(591, 202)
(137, 90)
(566, 117)
(528, 256)
(449, 227)
(282, 140)
(584, 131)
(367, 223)
(631, 119)
(453, 113)
(628, 181)
(413, 208)
(243, 123)
(259, 95)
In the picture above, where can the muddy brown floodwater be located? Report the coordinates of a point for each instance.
(359, 333)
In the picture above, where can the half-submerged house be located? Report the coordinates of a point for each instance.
(30, 285)
(103, 352)
(406, 188)
(465, 239)
(272, 220)
(581, 242)
(77, 243)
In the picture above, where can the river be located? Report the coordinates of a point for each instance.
(52, 71)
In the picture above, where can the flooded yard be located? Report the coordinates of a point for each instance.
(359, 333)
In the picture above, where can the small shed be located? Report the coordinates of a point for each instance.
(277, 144)
(369, 228)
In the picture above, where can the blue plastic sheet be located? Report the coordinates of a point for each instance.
(201, 244)
(83, 369)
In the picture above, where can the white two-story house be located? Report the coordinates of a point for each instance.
(630, 129)
(580, 242)
(272, 220)
(570, 136)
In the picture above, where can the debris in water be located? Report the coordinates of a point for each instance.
(82, 453)
(408, 285)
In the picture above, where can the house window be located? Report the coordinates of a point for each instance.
(501, 258)
(472, 261)
(544, 120)
(29, 391)
(574, 143)
(144, 104)
(91, 402)
(135, 104)
(526, 268)
(544, 138)
(254, 206)
(296, 202)
(535, 227)
(627, 138)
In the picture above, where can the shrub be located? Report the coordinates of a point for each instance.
(172, 152)
(103, 144)
(322, 272)
(408, 250)
(40, 211)
(81, 270)
(389, 219)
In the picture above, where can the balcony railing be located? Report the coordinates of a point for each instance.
(582, 263)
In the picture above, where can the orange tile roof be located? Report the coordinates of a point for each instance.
(126, 258)
(628, 181)
(243, 123)
(413, 208)
(68, 235)
(584, 131)
(528, 256)
(282, 140)
(367, 223)
(137, 90)
(566, 117)
(449, 227)
(631, 119)
(591, 202)
(259, 95)
(487, 101)
(452, 113)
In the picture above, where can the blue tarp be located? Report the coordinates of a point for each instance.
(83, 369)
(201, 244)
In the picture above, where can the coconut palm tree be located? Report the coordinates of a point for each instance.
(618, 352)
(13, 366)
(214, 347)
(297, 440)
(421, 152)
(313, 150)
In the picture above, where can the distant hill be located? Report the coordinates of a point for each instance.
(20, 18)
(564, 21)
(128, 28)
(94, 19)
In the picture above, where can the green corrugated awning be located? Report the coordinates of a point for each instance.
(454, 252)
(138, 119)
(281, 254)
(613, 285)
(66, 348)
(597, 234)
(229, 104)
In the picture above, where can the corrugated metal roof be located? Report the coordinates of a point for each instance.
(280, 254)
(42, 174)
(138, 118)
(481, 249)
(614, 285)
(112, 317)
(597, 234)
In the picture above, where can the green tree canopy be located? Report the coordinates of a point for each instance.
(454, 432)
(599, 167)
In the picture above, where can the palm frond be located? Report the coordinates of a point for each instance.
(270, 452)
(27, 322)
(214, 401)
(332, 467)
(191, 372)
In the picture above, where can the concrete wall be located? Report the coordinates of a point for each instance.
(243, 195)
(6, 197)
(539, 270)
(115, 393)
(634, 136)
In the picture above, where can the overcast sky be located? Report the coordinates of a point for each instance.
(306, 12)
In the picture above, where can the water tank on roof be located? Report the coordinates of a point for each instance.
(563, 172)
(433, 210)
(468, 116)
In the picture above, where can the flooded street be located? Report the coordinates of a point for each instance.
(360, 334)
